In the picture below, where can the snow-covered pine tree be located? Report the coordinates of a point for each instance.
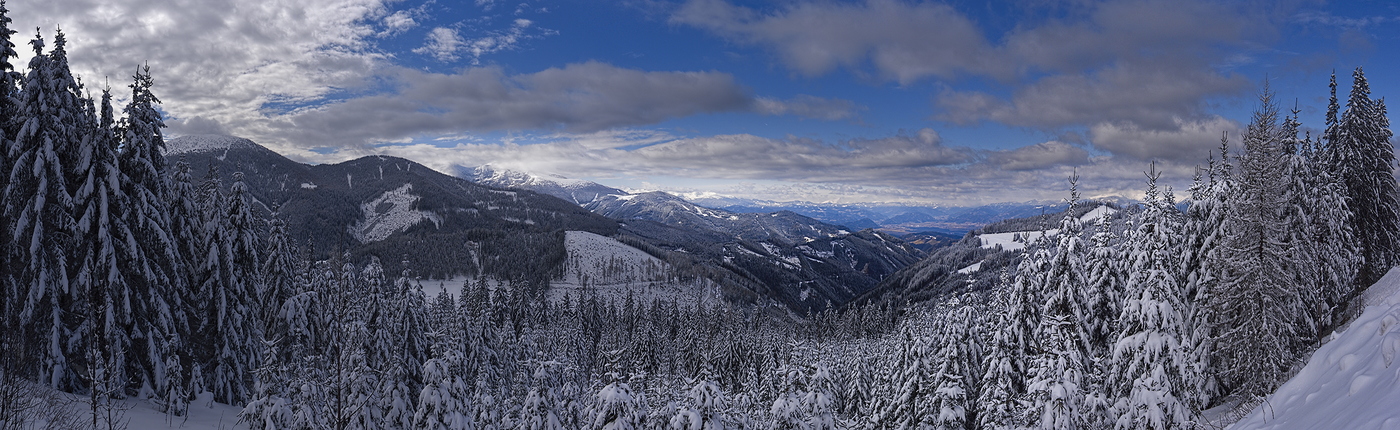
(704, 411)
(441, 403)
(1056, 388)
(10, 106)
(39, 204)
(912, 406)
(1145, 380)
(1363, 159)
(1106, 279)
(955, 385)
(615, 407)
(153, 268)
(114, 311)
(1003, 369)
(1255, 303)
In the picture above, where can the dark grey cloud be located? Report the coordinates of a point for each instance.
(578, 98)
(1039, 156)
(902, 41)
(1187, 142)
(1151, 97)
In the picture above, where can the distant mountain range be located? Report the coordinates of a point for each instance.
(512, 225)
(398, 209)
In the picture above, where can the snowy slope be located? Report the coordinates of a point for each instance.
(600, 259)
(1351, 382)
(198, 143)
(393, 211)
(1008, 241)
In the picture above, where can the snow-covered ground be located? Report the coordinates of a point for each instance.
(141, 414)
(1008, 241)
(603, 266)
(390, 213)
(970, 269)
(1352, 381)
(1094, 215)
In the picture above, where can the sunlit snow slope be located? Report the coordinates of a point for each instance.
(1352, 382)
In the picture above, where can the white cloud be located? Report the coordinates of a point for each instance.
(447, 45)
(443, 44)
(808, 106)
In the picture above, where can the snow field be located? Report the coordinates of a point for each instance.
(399, 215)
(1008, 241)
(610, 268)
(1352, 381)
(141, 414)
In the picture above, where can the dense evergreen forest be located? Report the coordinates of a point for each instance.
(127, 277)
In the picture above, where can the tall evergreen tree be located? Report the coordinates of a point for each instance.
(114, 309)
(1256, 302)
(10, 107)
(1149, 358)
(1364, 159)
(39, 201)
(1057, 386)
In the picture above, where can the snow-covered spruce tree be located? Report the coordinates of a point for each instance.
(153, 267)
(441, 403)
(103, 294)
(540, 409)
(1003, 366)
(408, 349)
(1200, 272)
(1145, 381)
(1106, 282)
(113, 309)
(818, 403)
(615, 407)
(954, 379)
(786, 413)
(1255, 303)
(1363, 159)
(1334, 243)
(705, 409)
(39, 203)
(232, 284)
(912, 406)
(1056, 388)
(10, 106)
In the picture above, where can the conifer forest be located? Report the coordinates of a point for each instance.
(127, 275)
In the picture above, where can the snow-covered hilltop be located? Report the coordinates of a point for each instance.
(200, 143)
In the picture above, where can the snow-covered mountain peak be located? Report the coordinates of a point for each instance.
(200, 143)
(574, 190)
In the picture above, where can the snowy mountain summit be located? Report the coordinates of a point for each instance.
(577, 191)
(201, 143)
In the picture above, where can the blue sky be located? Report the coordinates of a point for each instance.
(842, 101)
